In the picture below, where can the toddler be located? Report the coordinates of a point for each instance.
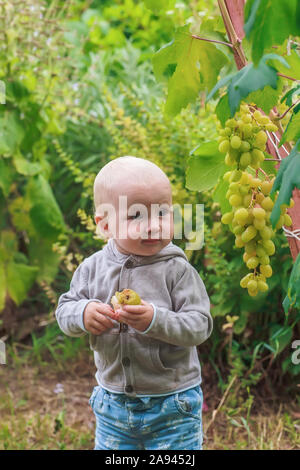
(149, 392)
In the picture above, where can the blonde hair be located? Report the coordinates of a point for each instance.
(127, 167)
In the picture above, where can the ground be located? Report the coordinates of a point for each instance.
(43, 406)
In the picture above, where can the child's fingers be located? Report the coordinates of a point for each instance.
(134, 308)
(107, 310)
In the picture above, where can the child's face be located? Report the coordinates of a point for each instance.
(143, 222)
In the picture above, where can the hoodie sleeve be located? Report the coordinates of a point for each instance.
(71, 305)
(190, 324)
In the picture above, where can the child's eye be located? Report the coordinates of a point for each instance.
(163, 212)
(137, 215)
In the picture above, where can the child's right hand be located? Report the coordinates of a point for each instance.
(95, 317)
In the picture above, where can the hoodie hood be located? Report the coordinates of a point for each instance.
(167, 252)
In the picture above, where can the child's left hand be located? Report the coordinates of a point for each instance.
(137, 316)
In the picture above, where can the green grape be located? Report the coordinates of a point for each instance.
(247, 117)
(260, 251)
(227, 131)
(235, 200)
(252, 285)
(266, 187)
(257, 115)
(235, 142)
(249, 233)
(227, 218)
(259, 213)
(252, 262)
(258, 155)
(247, 130)
(252, 293)
(234, 187)
(245, 159)
(247, 200)
(241, 215)
(245, 146)
(262, 286)
(229, 160)
(255, 162)
(230, 123)
(239, 241)
(224, 146)
(243, 189)
(266, 270)
(250, 247)
(287, 220)
(269, 247)
(235, 175)
(261, 139)
(264, 259)
(267, 203)
(244, 281)
(238, 230)
(259, 223)
(271, 127)
(266, 233)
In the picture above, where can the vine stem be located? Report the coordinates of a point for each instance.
(282, 116)
(212, 40)
(289, 78)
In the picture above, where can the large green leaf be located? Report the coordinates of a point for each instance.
(19, 279)
(250, 79)
(41, 254)
(45, 213)
(292, 299)
(205, 166)
(178, 62)
(269, 23)
(288, 178)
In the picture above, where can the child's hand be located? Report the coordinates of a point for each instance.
(137, 316)
(95, 317)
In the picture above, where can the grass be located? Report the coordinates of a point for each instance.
(46, 384)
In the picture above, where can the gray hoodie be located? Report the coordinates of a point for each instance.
(163, 359)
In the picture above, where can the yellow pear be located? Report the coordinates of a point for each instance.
(125, 297)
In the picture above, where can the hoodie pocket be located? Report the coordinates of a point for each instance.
(156, 358)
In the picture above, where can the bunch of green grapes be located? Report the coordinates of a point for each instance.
(249, 195)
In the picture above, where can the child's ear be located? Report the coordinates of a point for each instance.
(102, 226)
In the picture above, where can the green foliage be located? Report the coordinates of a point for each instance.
(288, 178)
(262, 16)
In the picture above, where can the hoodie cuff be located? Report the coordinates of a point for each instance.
(152, 321)
(81, 317)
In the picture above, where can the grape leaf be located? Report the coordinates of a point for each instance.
(250, 79)
(292, 130)
(178, 62)
(260, 25)
(292, 298)
(288, 97)
(288, 178)
(205, 166)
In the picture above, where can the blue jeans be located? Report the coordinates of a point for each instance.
(125, 423)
